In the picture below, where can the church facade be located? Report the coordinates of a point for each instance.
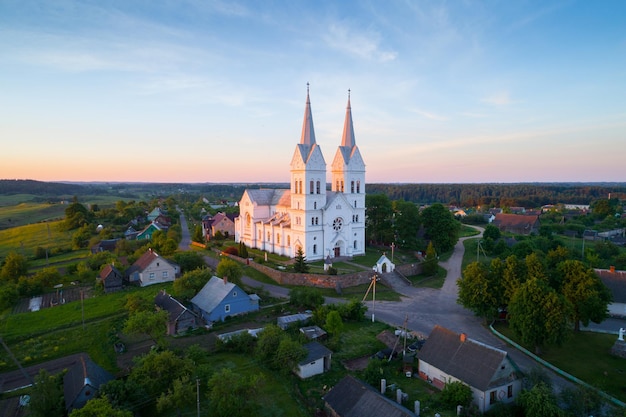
(323, 223)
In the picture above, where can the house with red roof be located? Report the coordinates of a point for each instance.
(151, 268)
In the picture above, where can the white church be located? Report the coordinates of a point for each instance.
(324, 224)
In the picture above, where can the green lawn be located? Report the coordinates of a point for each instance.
(24, 239)
(586, 355)
(434, 281)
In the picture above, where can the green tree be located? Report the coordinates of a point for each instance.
(188, 285)
(378, 215)
(406, 223)
(476, 291)
(431, 263)
(300, 264)
(456, 393)
(538, 315)
(288, 354)
(197, 234)
(334, 323)
(233, 395)
(268, 341)
(123, 394)
(80, 238)
(306, 297)
(100, 407)
(514, 275)
(46, 398)
(491, 232)
(156, 371)
(9, 295)
(76, 215)
(243, 250)
(230, 269)
(152, 323)
(189, 260)
(586, 293)
(441, 227)
(136, 303)
(181, 394)
(13, 267)
(539, 401)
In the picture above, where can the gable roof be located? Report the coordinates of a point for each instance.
(168, 303)
(351, 397)
(470, 361)
(213, 293)
(615, 281)
(145, 260)
(315, 351)
(516, 220)
(83, 372)
(108, 270)
(270, 197)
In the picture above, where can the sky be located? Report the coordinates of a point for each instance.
(455, 91)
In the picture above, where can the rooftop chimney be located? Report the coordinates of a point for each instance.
(463, 337)
(225, 280)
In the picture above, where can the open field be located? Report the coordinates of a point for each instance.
(28, 213)
(25, 239)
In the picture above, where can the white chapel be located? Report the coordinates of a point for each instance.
(325, 224)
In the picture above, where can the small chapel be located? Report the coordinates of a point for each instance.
(325, 224)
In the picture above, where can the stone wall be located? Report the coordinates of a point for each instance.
(410, 269)
(310, 280)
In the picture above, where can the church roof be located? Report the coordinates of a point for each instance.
(347, 139)
(270, 197)
(308, 133)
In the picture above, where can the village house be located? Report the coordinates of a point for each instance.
(219, 299)
(221, 222)
(112, 280)
(489, 372)
(317, 360)
(615, 281)
(82, 382)
(152, 269)
(180, 318)
(517, 223)
(351, 397)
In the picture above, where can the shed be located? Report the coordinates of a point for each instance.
(317, 360)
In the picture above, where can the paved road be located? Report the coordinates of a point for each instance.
(185, 242)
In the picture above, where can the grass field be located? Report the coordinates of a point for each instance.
(25, 239)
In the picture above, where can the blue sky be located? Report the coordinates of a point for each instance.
(214, 91)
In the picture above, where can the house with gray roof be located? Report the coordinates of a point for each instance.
(489, 372)
(615, 281)
(317, 360)
(82, 382)
(219, 299)
(180, 318)
(351, 397)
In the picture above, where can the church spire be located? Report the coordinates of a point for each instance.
(308, 133)
(348, 130)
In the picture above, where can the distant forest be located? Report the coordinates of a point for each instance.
(463, 195)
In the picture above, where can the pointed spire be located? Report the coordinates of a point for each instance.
(348, 130)
(308, 133)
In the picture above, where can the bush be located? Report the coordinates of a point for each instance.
(306, 297)
(231, 250)
(456, 393)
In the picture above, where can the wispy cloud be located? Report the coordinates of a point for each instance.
(430, 115)
(365, 45)
(500, 98)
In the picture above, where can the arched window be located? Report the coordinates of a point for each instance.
(269, 236)
(354, 203)
(311, 187)
(248, 220)
(314, 249)
(316, 221)
(312, 221)
(315, 205)
(278, 239)
(288, 240)
(317, 184)
(342, 186)
(352, 187)
(301, 192)
(358, 186)
(354, 244)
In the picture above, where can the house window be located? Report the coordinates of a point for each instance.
(492, 397)
(234, 293)
(157, 264)
(152, 276)
(165, 274)
(509, 391)
(227, 308)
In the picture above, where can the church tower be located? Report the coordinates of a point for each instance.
(348, 178)
(308, 188)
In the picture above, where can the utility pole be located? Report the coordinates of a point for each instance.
(198, 394)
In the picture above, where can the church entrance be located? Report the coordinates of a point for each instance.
(337, 251)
